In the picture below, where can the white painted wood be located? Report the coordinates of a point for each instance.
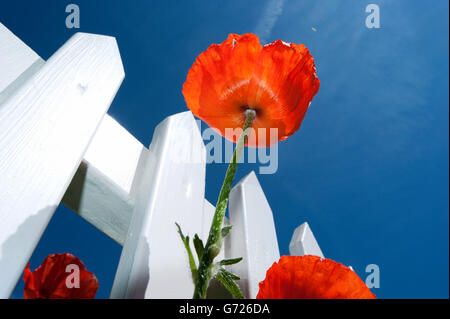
(15, 59)
(253, 236)
(154, 262)
(102, 191)
(17, 63)
(46, 125)
(100, 202)
(104, 188)
(303, 242)
(116, 153)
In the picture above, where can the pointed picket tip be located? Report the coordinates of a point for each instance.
(187, 114)
(181, 127)
(186, 119)
(101, 42)
(48, 117)
(249, 179)
(303, 242)
(171, 190)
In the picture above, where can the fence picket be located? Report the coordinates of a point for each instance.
(172, 190)
(46, 126)
(52, 118)
(103, 189)
(253, 236)
(303, 242)
(15, 59)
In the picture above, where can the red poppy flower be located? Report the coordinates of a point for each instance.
(55, 280)
(312, 277)
(278, 81)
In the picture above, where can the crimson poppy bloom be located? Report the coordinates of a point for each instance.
(312, 277)
(51, 279)
(277, 81)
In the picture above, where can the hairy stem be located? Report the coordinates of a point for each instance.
(214, 243)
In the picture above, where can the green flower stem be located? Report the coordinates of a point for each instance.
(214, 243)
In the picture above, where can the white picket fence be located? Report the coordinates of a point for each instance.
(57, 144)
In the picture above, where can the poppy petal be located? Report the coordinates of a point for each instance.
(312, 277)
(283, 85)
(220, 76)
(48, 281)
(278, 81)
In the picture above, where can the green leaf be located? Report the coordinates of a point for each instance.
(226, 230)
(188, 249)
(230, 261)
(180, 232)
(198, 244)
(227, 281)
(229, 274)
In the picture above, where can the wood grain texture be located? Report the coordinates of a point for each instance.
(17, 63)
(46, 125)
(103, 189)
(15, 57)
(154, 262)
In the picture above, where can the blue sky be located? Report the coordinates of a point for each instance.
(369, 168)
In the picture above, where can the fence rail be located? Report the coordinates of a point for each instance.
(57, 145)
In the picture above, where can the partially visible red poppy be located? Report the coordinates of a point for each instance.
(51, 279)
(277, 81)
(312, 277)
